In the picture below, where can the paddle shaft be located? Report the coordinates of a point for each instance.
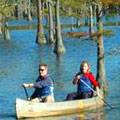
(96, 93)
(26, 93)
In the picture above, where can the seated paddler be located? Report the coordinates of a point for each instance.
(85, 82)
(43, 86)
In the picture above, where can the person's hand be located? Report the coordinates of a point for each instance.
(75, 81)
(77, 77)
(98, 91)
(25, 85)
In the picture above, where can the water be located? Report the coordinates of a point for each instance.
(20, 57)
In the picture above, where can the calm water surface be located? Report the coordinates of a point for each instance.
(20, 57)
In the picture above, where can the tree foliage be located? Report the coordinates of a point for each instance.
(6, 8)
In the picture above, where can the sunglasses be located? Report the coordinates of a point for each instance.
(42, 70)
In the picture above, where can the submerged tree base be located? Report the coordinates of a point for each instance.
(40, 40)
(59, 50)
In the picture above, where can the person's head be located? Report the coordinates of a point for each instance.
(85, 67)
(43, 70)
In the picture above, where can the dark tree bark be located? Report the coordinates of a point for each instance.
(40, 39)
(59, 47)
(100, 50)
(51, 28)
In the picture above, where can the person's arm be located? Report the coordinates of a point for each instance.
(28, 85)
(93, 80)
(95, 83)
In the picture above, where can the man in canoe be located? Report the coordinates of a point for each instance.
(84, 81)
(43, 86)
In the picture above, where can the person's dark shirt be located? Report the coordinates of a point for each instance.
(43, 87)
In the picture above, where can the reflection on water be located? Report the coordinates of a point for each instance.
(97, 115)
(20, 57)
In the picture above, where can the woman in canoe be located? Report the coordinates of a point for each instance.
(43, 86)
(83, 79)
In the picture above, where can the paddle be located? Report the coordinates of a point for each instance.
(97, 94)
(26, 92)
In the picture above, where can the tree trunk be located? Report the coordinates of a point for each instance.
(91, 31)
(100, 51)
(29, 18)
(51, 28)
(6, 32)
(78, 19)
(40, 39)
(72, 24)
(59, 47)
(0, 24)
(95, 15)
(86, 21)
(20, 9)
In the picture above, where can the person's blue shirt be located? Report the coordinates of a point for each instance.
(43, 86)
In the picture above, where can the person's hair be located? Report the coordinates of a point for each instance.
(43, 64)
(84, 62)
